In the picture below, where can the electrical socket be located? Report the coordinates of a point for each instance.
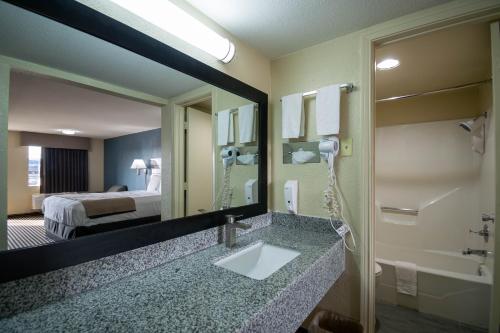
(346, 147)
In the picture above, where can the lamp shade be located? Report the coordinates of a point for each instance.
(138, 164)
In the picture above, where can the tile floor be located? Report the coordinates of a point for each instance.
(396, 319)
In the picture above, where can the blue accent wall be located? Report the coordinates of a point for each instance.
(120, 152)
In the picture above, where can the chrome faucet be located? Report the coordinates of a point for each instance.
(481, 253)
(488, 218)
(230, 229)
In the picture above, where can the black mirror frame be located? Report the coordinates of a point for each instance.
(25, 262)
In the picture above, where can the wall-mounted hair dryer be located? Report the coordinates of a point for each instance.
(229, 155)
(333, 200)
(329, 148)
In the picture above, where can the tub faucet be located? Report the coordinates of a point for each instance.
(230, 229)
(481, 253)
(488, 218)
(484, 232)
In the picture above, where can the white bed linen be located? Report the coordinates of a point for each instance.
(68, 209)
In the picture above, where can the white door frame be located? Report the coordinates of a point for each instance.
(453, 13)
(174, 145)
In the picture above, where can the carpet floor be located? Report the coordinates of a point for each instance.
(26, 231)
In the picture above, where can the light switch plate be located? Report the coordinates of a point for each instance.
(346, 147)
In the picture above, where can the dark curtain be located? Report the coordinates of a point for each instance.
(64, 170)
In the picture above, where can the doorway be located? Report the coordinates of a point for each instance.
(198, 166)
(434, 181)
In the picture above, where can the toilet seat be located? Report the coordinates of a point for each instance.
(378, 269)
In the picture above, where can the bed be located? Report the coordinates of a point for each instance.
(66, 216)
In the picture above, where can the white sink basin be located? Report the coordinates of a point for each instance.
(258, 261)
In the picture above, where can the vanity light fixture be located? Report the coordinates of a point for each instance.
(388, 63)
(177, 22)
(68, 131)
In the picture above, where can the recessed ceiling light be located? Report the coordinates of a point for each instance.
(388, 63)
(68, 131)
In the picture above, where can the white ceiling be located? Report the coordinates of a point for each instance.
(437, 60)
(33, 38)
(279, 27)
(43, 105)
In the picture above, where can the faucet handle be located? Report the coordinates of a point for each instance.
(232, 218)
(488, 218)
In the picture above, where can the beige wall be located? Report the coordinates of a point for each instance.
(96, 165)
(248, 64)
(336, 61)
(18, 191)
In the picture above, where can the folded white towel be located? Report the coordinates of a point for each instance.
(406, 277)
(247, 159)
(246, 123)
(223, 127)
(328, 110)
(292, 116)
(230, 138)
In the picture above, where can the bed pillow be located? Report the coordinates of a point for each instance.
(154, 184)
(118, 188)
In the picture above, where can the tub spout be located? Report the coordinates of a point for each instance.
(481, 253)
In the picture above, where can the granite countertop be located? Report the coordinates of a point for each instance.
(191, 294)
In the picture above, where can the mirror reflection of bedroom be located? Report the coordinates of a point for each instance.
(100, 138)
(80, 161)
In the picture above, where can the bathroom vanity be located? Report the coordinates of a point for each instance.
(174, 273)
(188, 293)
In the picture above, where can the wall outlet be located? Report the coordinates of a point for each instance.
(346, 147)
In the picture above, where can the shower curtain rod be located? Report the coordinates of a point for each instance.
(395, 98)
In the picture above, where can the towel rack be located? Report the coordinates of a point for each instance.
(347, 87)
(405, 211)
(235, 110)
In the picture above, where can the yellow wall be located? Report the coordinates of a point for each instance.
(18, 191)
(335, 61)
(96, 165)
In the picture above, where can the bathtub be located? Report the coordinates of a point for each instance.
(450, 285)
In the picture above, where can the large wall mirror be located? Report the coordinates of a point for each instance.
(113, 149)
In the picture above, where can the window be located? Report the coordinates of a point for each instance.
(34, 156)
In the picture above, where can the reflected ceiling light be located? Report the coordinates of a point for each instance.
(177, 22)
(68, 131)
(388, 63)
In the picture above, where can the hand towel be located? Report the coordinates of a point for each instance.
(406, 277)
(223, 118)
(328, 110)
(292, 116)
(246, 123)
(230, 138)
